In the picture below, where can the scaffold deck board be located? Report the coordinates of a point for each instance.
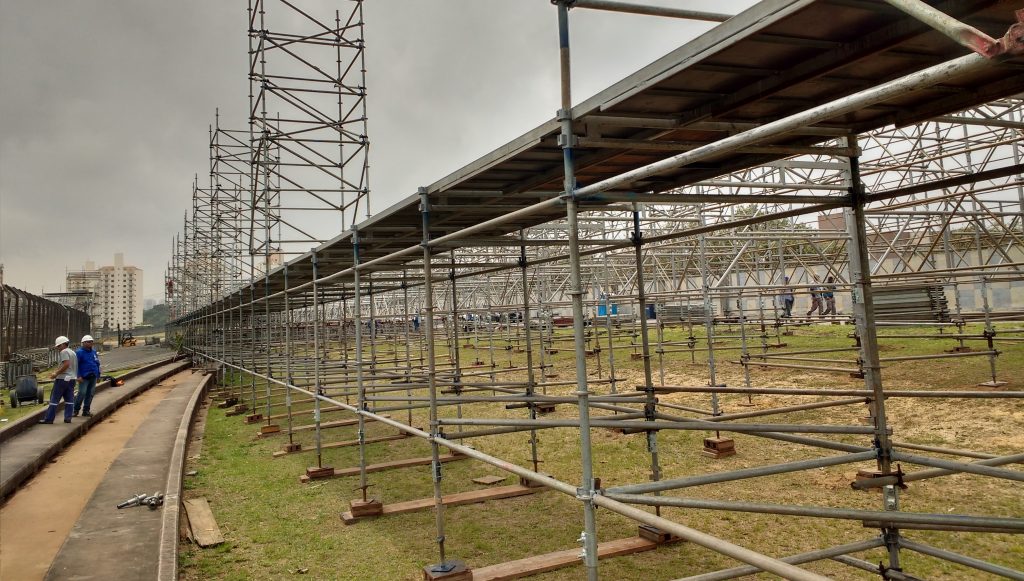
(456, 499)
(406, 463)
(342, 444)
(560, 559)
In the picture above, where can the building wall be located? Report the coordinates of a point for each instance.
(118, 293)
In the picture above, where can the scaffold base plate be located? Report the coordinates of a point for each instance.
(992, 384)
(448, 571)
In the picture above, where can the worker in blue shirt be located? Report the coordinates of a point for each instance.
(88, 372)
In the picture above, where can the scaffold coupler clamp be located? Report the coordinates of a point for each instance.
(583, 541)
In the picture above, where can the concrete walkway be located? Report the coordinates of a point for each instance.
(129, 357)
(22, 455)
(107, 543)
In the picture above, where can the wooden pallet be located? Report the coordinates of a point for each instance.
(457, 499)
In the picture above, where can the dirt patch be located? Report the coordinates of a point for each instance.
(36, 519)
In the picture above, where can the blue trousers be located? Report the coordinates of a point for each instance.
(62, 388)
(86, 389)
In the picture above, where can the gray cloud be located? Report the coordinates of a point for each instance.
(104, 107)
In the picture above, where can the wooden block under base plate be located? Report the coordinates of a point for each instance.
(293, 447)
(314, 472)
(239, 410)
(253, 418)
(857, 375)
(656, 535)
(545, 408)
(718, 447)
(271, 429)
(552, 351)
(448, 571)
(371, 507)
(635, 356)
(959, 349)
(228, 403)
(530, 483)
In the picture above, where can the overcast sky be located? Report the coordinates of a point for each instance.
(105, 105)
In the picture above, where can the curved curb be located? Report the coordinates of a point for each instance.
(167, 564)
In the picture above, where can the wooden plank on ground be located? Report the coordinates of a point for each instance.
(200, 519)
(342, 444)
(354, 470)
(489, 479)
(457, 499)
(323, 426)
(559, 559)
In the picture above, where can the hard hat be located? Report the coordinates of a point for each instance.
(61, 340)
(87, 338)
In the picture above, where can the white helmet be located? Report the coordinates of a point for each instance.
(87, 338)
(60, 341)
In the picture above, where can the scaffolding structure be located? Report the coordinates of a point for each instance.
(662, 220)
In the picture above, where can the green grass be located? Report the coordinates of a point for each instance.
(275, 526)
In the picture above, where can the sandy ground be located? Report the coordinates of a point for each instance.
(35, 520)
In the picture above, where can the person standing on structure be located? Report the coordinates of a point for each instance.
(787, 299)
(815, 300)
(64, 382)
(88, 372)
(828, 296)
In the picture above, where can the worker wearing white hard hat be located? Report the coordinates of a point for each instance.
(88, 373)
(63, 382)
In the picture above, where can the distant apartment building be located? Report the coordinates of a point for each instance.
(116, 292)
